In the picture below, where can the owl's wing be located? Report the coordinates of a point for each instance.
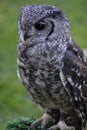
(74, 79)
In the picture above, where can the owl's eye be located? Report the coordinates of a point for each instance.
(40, 26)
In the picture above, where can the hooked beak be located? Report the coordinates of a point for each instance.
(26, 36)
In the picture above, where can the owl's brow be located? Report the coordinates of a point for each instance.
(51, 15)
(39, 19)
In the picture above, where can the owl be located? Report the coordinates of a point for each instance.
(52, 67)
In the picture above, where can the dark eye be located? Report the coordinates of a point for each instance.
(40, 26)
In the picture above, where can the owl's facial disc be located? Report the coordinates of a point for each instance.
(39, 26)
(42, 28)
(42, 22)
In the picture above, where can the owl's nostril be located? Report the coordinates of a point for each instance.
(26, 36)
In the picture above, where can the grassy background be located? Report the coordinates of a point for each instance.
(13, 99)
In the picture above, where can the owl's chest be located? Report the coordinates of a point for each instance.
(43, 70)
(40, 75)
(44, 85)
(41, 65)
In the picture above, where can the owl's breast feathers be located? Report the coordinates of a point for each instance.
(63, 87)
(39, 72)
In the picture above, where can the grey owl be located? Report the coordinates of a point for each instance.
(52, 68)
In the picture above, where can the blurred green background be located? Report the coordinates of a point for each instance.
(13, 98)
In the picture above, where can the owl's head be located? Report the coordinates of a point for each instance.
(42, 22)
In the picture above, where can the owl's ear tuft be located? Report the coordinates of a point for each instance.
(21, 10)
(57, 13)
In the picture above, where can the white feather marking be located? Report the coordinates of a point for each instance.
(70, 80)
(20, 63)
(79, 87)
(76, 98)
(21, 37)
(64, 82)
(18, 74)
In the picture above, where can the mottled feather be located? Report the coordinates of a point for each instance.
(50, 64)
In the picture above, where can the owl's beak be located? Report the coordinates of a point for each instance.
(26, 36)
